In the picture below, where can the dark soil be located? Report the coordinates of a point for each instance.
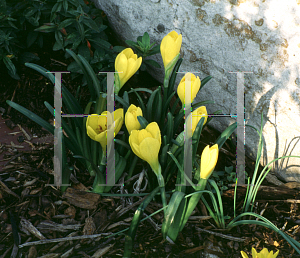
(25, 198)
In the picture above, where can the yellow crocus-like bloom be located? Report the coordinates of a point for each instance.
(170, 47)
(263, 254)
(126, 64)
(96, 125)
(196, 116)
(131, 121)
(209, 160)
(146, 143)
(195, 87)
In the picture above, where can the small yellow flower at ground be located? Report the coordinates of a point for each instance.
(196, 116)
(96, 125)
(170, 47)
(195, 87)
(209, 158)
(126, 64)
(263, 254)
(131, 121)
(146, 144)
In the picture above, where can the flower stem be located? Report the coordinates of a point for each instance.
(193, 201)
(161, 183)
(166, 81)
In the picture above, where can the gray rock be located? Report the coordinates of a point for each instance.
(234, 35)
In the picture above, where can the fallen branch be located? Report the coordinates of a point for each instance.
(55, 240)
(236, 239)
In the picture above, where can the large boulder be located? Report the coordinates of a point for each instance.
(262, 37)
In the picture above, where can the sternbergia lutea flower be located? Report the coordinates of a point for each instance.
(126, 64)
(96, 125)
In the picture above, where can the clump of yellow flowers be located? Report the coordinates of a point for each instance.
(263, 254)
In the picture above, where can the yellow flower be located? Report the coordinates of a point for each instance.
(263, 254)
(146, 143)
(195, 87)
(209, 160)
(196, 116)
(131, 120)
(96, 125)
(126, 64)
(170, 47)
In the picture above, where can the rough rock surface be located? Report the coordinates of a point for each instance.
(261, 36)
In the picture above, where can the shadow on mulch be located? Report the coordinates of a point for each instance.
(31, 211)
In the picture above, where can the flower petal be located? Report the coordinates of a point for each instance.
(91, 133)
(102, 139)
(92, 121)
(149, 149)
(153, 128)
(254, 253)
(244, 255)
(144, 134)
(209, 160)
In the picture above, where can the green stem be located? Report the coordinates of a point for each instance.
(166, 81)
(100, 180)
(161, 183)
(193, 201)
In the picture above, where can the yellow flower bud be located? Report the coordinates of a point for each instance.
(196, 116)
(96, 125)
(170, 47)
(146, 144)
(131, 121)
(209, 160)
(126, 64)
(195, 87)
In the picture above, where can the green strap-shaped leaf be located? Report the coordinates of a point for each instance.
(196, 138)
(150, 110)
(225, 135)
(173, 76)
(126, 97)
(86, 74)
(202, 103)
(143, 122)
(32, 116)
(9, 65)
(67, 129)
(122, 102)
(122, 143)
(92, 75)
(68, 99)
(170, 127)
(142, 106)
(141, 89)
(171, 211)
(204, 81)
(178, 119)
(163, 157)
(174, 106)
(135, 223)
(158, 108)
(193, 201)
